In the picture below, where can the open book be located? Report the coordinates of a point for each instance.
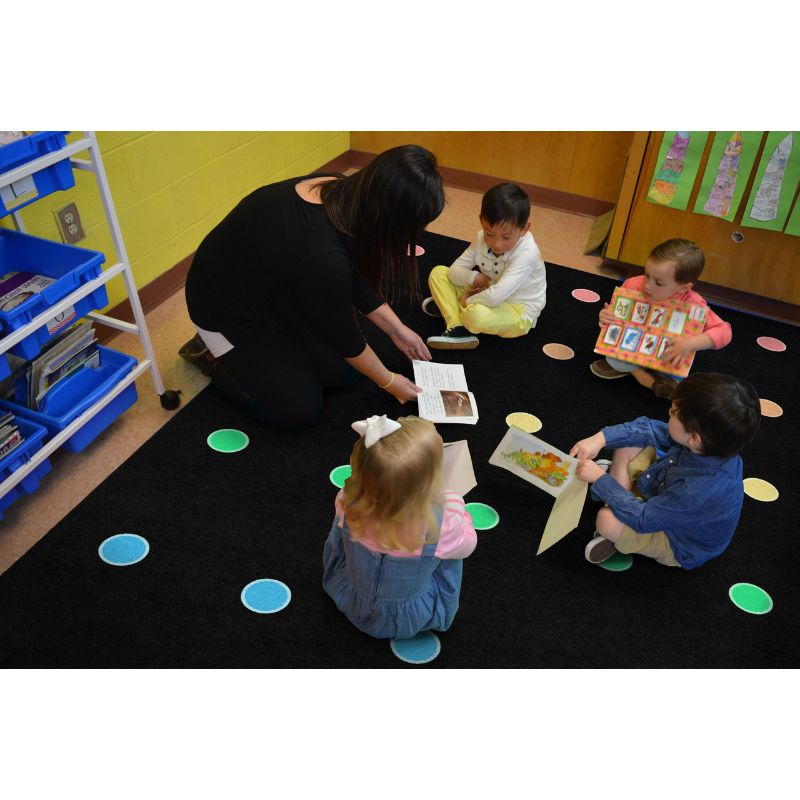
(445, 397)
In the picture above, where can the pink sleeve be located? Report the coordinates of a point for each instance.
(457, 537)
(719, 330)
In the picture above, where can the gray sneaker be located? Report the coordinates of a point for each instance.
(430, 308)
(599, 550)
(458, 338)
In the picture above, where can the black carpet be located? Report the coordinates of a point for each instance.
(216, 522)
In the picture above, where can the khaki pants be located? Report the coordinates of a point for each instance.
(653, 545)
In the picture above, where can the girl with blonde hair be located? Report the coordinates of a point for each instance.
(393, 558)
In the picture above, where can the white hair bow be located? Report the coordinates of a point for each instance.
(374, 428)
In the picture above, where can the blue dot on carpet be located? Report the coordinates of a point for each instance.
(123, 549)
(420, 649)
(266, 596)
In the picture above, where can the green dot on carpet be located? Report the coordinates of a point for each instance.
(618, 562)
(228, 440)
(483, 516)
(750, 598)
(340, 474)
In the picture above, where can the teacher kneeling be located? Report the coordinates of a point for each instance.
(272, 289)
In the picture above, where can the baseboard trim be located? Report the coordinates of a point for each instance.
(476, 182)
(150, 296)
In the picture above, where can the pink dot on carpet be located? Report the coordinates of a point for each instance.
(770, 343)
(418, 251)
(585, 295)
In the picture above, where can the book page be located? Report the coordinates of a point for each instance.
(448, 406)
(429, 375)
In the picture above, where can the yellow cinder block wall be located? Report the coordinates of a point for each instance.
(171, 188)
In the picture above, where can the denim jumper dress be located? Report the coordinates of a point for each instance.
(386, 596)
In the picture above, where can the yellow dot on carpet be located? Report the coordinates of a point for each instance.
(760, 489)
(524, 421)
(558, 351)
(770, 409)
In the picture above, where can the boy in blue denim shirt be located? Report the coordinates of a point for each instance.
(674, 490)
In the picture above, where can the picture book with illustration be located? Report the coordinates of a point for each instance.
(643, 328)
(445, 397)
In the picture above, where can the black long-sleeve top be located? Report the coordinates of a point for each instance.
(276, 254)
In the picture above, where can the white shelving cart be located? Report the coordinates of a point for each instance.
(169, 398)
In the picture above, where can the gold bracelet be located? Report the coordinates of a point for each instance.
(387, 385)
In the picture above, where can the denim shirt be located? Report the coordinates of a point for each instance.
(695, 499)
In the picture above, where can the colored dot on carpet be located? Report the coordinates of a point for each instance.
(759, 489)
(340, 474)
(770, 343)
(483, 516)
(418, 251)
(228, 440)
(524, 421)
(770, 409)
(619, 562)
(585, 295)
(420, 649)
(750, 598)
(123, 549)
(266, 596)
(558, 351)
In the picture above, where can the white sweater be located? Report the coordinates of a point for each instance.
(517, 276)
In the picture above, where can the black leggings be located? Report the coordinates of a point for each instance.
(278, 377)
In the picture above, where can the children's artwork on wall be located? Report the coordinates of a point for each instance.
(644, 343)
(676, 168)
(727, 171)
(776, 181)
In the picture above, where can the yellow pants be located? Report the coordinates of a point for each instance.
(504, 320)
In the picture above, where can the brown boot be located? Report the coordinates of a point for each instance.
(197, 353)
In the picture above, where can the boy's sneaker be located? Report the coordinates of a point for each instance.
(430, 308)
(604, 370)
(603, 462)
(458, 338)
(599, 550)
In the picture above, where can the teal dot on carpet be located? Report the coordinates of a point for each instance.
(750, 598)
(420, 649)
(266, 596)
(123, 549)
(340, 474)
(619, 562)
(483, 516)
(228, 440)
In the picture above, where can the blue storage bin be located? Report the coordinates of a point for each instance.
(34, 439)
(72, 395)
(5, 369)
(71, 266)
(46, 181)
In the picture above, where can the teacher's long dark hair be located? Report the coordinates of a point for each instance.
(384, 209)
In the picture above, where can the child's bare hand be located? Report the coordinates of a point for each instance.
(606, 315)
(677, 350)
(464, 299)
(588, 448)
(588, 470)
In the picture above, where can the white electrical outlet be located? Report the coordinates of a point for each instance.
(69, 224)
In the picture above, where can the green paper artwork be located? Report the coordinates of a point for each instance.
(676, 168)
(775, 183)
(727, 171)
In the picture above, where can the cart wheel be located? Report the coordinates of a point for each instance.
(170, 400)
